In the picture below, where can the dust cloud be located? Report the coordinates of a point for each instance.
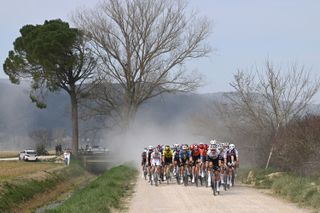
(146, 131)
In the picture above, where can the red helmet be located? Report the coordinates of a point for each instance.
(201, 146)
(191, 147)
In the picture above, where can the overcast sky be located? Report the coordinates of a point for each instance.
(245, 32)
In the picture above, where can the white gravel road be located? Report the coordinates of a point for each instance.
(178, 198)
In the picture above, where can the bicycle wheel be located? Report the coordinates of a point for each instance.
(225, 182)
(145, 172)
(185, 178)
(232, 178)
(213, 186)
(196, 176)
(155, 179)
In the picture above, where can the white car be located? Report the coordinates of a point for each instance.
(28, 154)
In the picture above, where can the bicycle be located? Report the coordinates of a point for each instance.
(145, 171)
(156, 176)
(169, 176)
(196, 174)
(215, 182)
(185, 175)
(177, 176)
(224, 177)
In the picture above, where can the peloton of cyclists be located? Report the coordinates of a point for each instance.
(214, 162)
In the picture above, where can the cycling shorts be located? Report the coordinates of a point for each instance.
(156, 162)
(167, 161)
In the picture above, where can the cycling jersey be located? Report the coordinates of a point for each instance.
(214, 158)
(195, 153)
(231, 153)
(144, 155)
(167, 154)
(156, 159)
(149, 157)
(223, 155)
(144, 158)
(176, 155)
(184, 155)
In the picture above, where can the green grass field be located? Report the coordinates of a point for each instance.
(102, 194)
(302, 190)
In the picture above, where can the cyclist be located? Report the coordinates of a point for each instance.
(232, 160)
(203, 157)
(144, 160)
(223, 155)
(214, 163)
(150, 151)
(156, 162)
(184, 156)
(167, 158)
(176, 158)
(195, 160)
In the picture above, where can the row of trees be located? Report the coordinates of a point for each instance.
(121, 54)
(267, 107)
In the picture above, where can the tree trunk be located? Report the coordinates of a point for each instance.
(74, 119)
(270, 155)
(128, 116)
(273, 142)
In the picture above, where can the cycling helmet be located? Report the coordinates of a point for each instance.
(213, 146)
(232, 146)
(213, 142)
(219, 146)
(184, 147)
(201, 146)
(195, 146)
(150, 148)
(167, 148)
(191, 147)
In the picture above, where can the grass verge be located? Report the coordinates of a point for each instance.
(14, 192)
(102, 194)
(302, 190)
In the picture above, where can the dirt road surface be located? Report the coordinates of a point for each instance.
(178, 198)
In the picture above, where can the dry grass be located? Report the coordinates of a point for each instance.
(14, 169)
(9, 154)
(15, 153)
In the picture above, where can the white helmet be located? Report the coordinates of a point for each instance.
(213, 146)
(150, 147)
(219, 146)
(232, 146)
(212, 142)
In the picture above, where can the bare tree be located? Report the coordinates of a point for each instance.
(270, 99)
(143, 46)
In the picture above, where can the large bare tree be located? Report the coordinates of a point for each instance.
(143, 46)
(271, 97)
